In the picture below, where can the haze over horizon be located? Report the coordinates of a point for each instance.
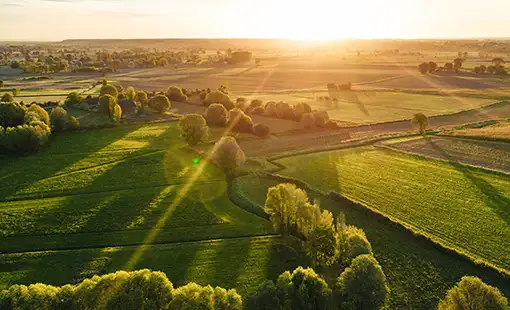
(56, 20)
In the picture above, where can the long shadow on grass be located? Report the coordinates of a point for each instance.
(497, 201)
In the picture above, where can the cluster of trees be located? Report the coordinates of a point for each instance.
(26, 130)
(496, 68)
(300, 112)
(142, 289)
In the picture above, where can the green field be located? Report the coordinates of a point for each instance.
(127, 187)
(463, 208)
(419, 273)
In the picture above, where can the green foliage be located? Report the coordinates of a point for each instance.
(302, 289)
(258, 111)
(261, 130)
(37, 113)
(159, 103)
(363, 285)
(117, 113)
(194, 296)
(239, 121)
(284, 110)
(15, 92)
(26, 138)
(424, 68)
(73, 99)
(256, 103)
(194, 128)
(120, 89)
(291, 212)
(321, 117)
(175, 93)
(219, 97)
(2, 84)
(59, 119)
(216, 115)
(141, 98)
(74, 124)
(472, 293)
(227, 154)
(7, 97)
(270, 109)
(131, 93)
(354, 243)
(322, 246)
(108, 90)
(107, 105)
(11, 114)
(420, 120)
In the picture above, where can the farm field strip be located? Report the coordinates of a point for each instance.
(486, 154)
(422, 192)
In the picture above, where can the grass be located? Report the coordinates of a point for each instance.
(419, 273)
(134, 189)
(497, 131)
(463, 208)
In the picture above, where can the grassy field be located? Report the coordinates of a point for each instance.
(500, 130)
(92, 200)
(463, 208)
(419, 273)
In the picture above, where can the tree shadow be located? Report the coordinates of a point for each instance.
(493, 198)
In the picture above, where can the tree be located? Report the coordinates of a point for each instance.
(321, 117)
(73, 99)
(216, 114)
(12, 114)
(322, 246)
(36, 113)
(117, 113)
(7, 98)
(354, 242)
(141, 98)
(491, 69)
(219, 97)
(59, 119)
(472, 293)
(239, 121)
(498, 61)
(424, 68)
(265, 297)
(107, 104)
(432, 66)
(25, 139)
(483, 69)
(261, 130)
(159, 103)
(457, 64)
(193, 128)
(303, 289)
(420, 120)
(308, 120)
(175, 93)
(448, 66)
(363, 285)
(109, 90)
(227, 154)
(130, 93)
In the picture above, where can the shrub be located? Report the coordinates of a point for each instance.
(363, 285)
(257, 110)
(130, 93)
(175, 93)
(194, 296)
(331, 124)
(239, 121)
(36, 113)
(265, 297)
(424, 68)
(482, 69)
(227, 154)
(284, 110)
(59, 119)
(354, 243)
(117, 113)
(261, 130)
(15, 92)
(300, 109)
(216, 115)
(74, 124)
(308, 120)
(321, 117)
(73, 99)
(11, 114)
(203, 95)
(256, 103)
(159, 103)
(7, 98)
(219, 97)
(108, 90)
(270, 109)
(107, 104)
(432, 66)
(120, 89)
(322, 246)
(448, 66)
(241, 103)
(193, 128)
(472, 293)
(420, 120)
(141, 98)
(26, 138)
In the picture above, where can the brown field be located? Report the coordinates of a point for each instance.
(500, 130)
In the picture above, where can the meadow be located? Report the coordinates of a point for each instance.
(460, 207)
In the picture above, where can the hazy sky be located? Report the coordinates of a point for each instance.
(300, 19)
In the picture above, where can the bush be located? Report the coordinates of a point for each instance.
(73, 99)
(363, 285)
(175, 93)
(354, 243)
(256, 103)
(300, 109)
(284, 110)
(330, 124)
(216, 115)
(193, 128)
(7, 98)
(241, 103)
(432, 66)
(59, 119)
(308, 120)
(203, 95)
(322, 246)
(424, 68)
(239, 121)
(109, 90)
(257, 111)
(26, 138)
(227, 154)
(117, 113)
(261, 130)
(141, 98)
(107, 104)
(36, 113)
(270, 109)
(130, 93)
(11, 114)
(472, 293)
(448, 66)
(74, 124)
(321, 117)
(194, 296)
(159, 103)
(218, 97)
